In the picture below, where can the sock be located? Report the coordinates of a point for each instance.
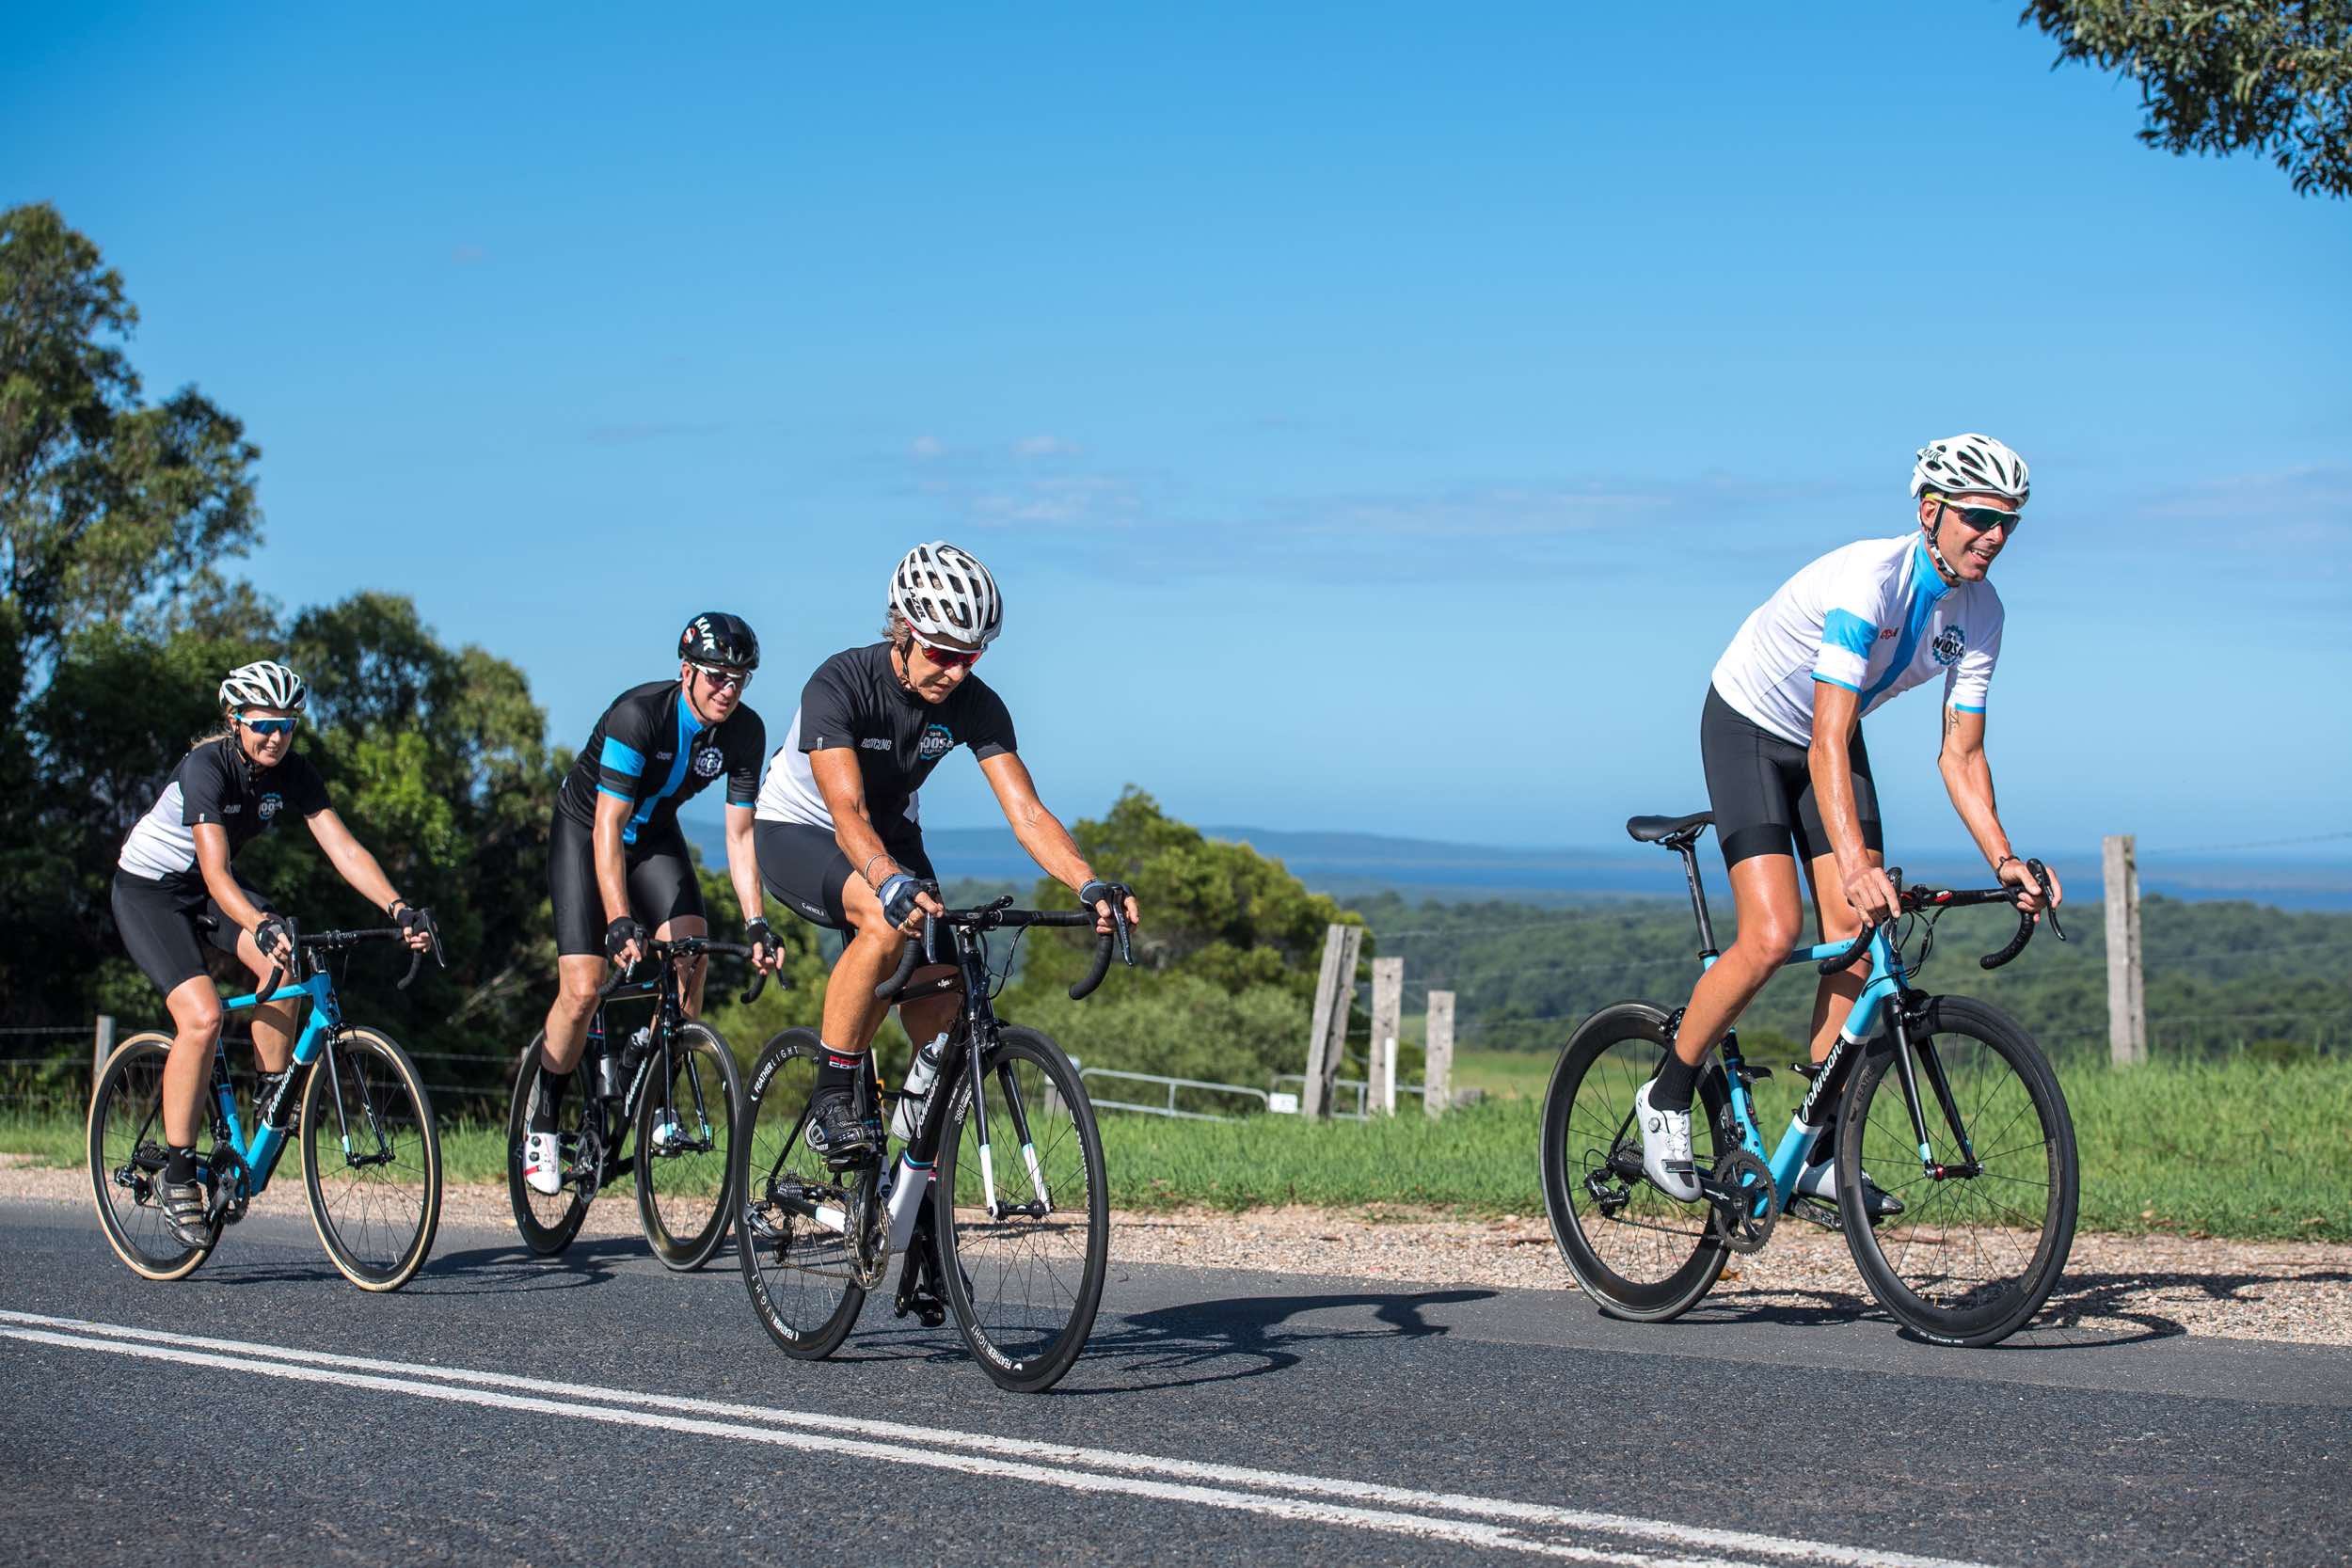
(180, 1164)
(550, 1098)
(1675, 1081)
(838, 1072)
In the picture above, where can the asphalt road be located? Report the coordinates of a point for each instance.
(600, 1409)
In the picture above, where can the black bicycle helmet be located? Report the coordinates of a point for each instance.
(718, 637)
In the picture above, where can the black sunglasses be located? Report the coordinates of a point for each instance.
(1983, 517)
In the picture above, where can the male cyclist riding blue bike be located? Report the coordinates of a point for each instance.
(1782, 743)
(615, 850)
(174, 895)
(839, 834)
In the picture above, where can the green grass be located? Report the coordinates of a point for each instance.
(2235, 1149)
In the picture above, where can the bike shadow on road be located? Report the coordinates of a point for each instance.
(1195, 1343)
(513, 1269)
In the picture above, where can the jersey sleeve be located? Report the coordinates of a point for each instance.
(827, 710)
(989, 731)
(1849, 627)
(621, 764)
(305, 790)
(747, 748)
(1971, 676)
(206, 784)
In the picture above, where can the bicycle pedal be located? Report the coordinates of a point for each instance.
(928, 1309)
(1805, 1070)
(1813, 1210)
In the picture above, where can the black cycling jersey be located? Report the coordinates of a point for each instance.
(651, 749)
(855, 700)
(216, 782)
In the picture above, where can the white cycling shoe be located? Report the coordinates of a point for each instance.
(1821, 1181)
(1666, 1147)
(543, 1164)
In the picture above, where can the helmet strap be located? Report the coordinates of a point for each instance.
(1933, 554)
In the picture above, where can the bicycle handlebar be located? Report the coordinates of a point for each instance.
(329, 941)
(1001, 913)
(1917, 897)
(687, 947)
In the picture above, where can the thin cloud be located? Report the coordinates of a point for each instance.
(1031, 448)
(628, 435)
(468, 255)
(926, 448)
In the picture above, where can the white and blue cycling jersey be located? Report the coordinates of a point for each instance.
(1876, 618)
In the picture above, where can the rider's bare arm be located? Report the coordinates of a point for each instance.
(843, 786)
(1837, 710)
(1040, 831)
(212, 859)
(1968, 779)
(351, 859)
(743, 862)
(612, 870)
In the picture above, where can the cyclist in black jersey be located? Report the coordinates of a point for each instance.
(838, 832)
(174, 895)
(619, 873)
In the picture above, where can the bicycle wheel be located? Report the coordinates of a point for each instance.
(798, 1268)
(547, 1222)
(1639, 1254)
(685, 1167)
(1023, 1236)
(371, 1160)
(1970, 1259)
(126, 1156)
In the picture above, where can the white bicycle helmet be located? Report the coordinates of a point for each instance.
(1959, 465)
(264, 683)
(942, 591)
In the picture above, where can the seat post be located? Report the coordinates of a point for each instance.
(1698, 898)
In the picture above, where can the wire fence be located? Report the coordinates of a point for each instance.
(40, 1079)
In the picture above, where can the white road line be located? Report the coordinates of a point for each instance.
(401, 1377)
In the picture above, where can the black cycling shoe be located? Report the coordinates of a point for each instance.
(182, 1205)
(837, 1133)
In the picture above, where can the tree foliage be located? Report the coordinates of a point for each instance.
(2273, 78)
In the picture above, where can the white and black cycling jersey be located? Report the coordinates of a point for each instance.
(854, 700)
(217, 783)
(1876, 618)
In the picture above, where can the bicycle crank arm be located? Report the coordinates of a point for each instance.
(822, 1206)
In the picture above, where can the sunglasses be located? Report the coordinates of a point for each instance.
(269, 726)
(720, 678)
(947, 658)
(1982, 518)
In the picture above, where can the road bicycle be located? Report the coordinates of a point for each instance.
(1972, 1149)
(674, 1083)
(370, 1153)
(996, 1205)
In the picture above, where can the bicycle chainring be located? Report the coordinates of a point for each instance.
(1737, 1186)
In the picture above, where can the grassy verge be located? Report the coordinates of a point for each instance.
(2235, 1149)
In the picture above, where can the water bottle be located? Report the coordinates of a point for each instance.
(640, 1045)
(921, 1075)
(606, 1073)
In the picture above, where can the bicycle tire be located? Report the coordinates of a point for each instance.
(545, 1223)
(798, 1274)
(1586, 1122)
(704, 1163)
(1956, 1266)
(126, 1149)
(1028, 1342)
(382, 1235)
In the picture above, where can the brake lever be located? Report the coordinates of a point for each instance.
(2049, 898)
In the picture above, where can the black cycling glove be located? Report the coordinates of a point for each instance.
(620, 933)
(273, 930)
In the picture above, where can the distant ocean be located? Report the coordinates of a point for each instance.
(1356, 866)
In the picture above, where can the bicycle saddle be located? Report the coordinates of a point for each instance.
(1651, 829)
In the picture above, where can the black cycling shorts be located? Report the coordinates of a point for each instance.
(167, 926)
(661, 884)
(803, 867)
(1761, 789)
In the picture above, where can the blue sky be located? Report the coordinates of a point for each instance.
(1380, 417)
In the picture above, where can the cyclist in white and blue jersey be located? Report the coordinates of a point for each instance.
(1788, 778)
(619, 873)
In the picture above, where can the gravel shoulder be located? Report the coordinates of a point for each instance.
(2292, 1291)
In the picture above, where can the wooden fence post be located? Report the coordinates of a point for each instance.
(102, 1047)
(1388, 1009)
(1335, 993)
(2127, 995)
(1437, 1079)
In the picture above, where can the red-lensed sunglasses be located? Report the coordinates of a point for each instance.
(948, 659)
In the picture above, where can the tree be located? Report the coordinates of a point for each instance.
(2222, 78)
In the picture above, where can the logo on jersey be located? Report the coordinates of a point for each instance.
(709, 760)
(268, 805)
(936, 742)
(1887, 636)
(873, 742)
(1949, 644)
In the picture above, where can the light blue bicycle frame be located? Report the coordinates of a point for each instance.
(258, 1158)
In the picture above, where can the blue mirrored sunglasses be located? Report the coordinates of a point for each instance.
(269, 726)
